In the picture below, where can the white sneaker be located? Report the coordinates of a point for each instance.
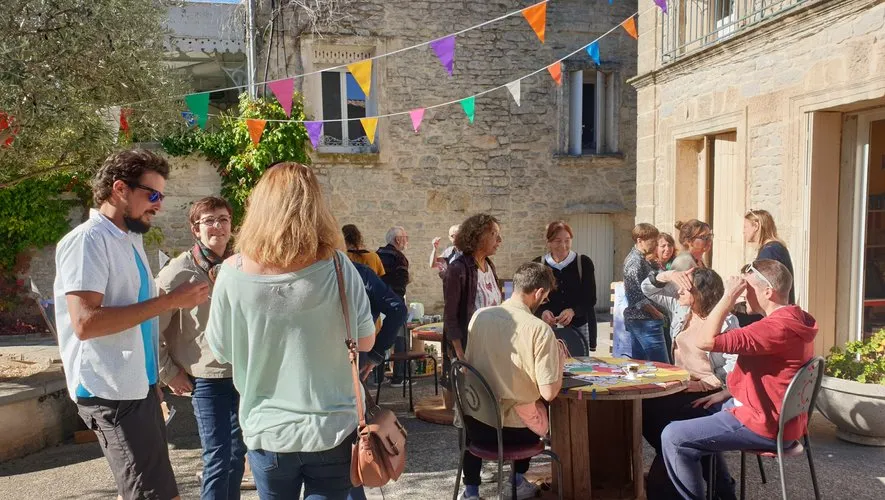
(523, 491)
(465, 496)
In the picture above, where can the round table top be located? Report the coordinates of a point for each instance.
(609, 383)
(432, 332)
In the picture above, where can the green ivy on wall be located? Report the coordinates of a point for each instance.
(229, 145)
(34, 213)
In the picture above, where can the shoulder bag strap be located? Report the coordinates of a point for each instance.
(350, 343)
(580, 270)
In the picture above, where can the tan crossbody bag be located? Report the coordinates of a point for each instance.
(379, 454)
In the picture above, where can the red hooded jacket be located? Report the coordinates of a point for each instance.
(770, 352)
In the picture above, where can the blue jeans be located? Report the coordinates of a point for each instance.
(647, 338)
(685, 443)
(325, 475)
(216, 406)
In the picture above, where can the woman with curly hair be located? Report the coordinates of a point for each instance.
(470, 283)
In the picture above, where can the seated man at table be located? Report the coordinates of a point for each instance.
(519, 357)
(770, 353)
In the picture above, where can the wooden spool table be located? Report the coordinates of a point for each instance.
(597, 430)
(432, 409)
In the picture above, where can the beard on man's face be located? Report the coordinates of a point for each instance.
(136, 225)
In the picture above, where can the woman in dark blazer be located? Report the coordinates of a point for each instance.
(572, 302)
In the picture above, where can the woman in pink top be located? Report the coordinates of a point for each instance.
(689, 296)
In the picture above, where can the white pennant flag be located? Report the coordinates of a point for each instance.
(163, 258)
(111, 118)
(515, 91)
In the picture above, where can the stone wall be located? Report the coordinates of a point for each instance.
(510, 162)
(765, 83)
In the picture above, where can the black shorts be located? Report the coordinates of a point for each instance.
(132, 435)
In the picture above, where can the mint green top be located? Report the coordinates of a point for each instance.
(284, 337)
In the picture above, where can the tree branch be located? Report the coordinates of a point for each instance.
(59, 165)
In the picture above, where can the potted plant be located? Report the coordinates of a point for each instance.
(852, 394)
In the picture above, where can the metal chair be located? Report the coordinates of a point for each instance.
(798, 400)
(408, 358)
(573, 340)
(475, 398)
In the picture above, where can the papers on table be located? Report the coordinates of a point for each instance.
(603, 373)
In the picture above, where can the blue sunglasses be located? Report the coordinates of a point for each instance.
(153, 196)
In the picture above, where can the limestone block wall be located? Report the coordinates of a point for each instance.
(510, 162)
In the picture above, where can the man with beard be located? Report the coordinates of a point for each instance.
(106, 312)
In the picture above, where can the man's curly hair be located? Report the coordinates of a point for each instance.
(472, 230)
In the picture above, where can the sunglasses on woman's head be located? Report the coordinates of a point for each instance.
(153, 195)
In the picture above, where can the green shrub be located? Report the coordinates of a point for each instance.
(861, 360)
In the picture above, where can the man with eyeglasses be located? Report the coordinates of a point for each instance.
(770, 353)
(106, 312)
(396, 276)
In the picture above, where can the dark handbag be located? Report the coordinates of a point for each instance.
(379, 454)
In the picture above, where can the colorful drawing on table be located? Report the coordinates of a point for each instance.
(602, 369)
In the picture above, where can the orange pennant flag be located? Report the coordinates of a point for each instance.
(256, 128)
(555, 70)
(630, 26)
(536, 15)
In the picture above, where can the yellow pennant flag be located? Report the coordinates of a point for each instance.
(630, 26)
(369, 125)
(362, 73)
(536, 15)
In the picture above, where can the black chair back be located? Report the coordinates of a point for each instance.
(573, 340)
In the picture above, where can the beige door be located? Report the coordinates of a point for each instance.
(594, 237)
(728, 204)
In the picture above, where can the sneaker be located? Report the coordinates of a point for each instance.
(525, 490)
(465, 496)
(397, 383)
(488, 475)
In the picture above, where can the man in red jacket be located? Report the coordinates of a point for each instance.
(770, 352)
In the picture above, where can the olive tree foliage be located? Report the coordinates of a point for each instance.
(63, 65)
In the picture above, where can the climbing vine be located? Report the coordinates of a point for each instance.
(229, 145)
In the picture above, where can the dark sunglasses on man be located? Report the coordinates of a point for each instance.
(153, 195)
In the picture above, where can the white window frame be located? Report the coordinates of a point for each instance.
(726, 25)
(607, 119)
(371, 110)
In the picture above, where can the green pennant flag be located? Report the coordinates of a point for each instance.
(199, 106)
(469, 107)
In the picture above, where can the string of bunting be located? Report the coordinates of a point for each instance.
(444, 49)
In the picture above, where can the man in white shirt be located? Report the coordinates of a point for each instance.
(106, 314)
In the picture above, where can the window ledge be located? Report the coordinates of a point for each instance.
(590, 160)
(365, 159)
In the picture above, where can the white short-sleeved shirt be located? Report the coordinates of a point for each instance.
(97, 256)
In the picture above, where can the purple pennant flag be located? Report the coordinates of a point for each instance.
(314, 131)
(662, 4)
(445, 51)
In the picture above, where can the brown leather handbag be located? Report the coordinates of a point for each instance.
(379, 454)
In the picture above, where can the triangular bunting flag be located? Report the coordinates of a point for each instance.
(162, 258)
(111, 118)
(256, 127)
(284, 90)
(536, 15)
(630, 27)
(515, 89)
(555, 70)
(124, 122)
(445, 51)
(593, 50)
(369, 125)
(469, 106)
(662, 4)
(417, 115)
(199, 106)
(314, 131)
(362, 73)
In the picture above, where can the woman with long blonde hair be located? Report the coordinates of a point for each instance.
(277, 319)
(761, 231)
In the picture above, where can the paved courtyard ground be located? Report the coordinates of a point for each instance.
(78, 471)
